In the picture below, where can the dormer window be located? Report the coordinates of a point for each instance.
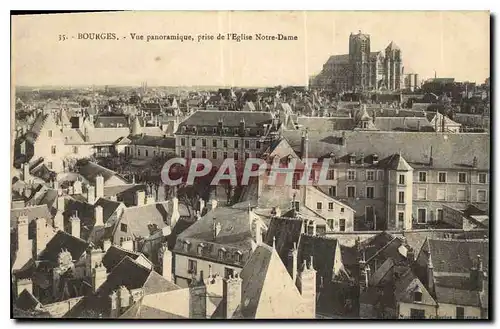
(352, 159)
(187, 245)
(183, 129)
(221, 253)
(204, 129)
(200, 249)
(214, 130)
(238, 256)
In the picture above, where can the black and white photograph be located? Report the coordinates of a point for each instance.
(241, 165)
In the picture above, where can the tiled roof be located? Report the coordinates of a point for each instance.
(395, 162)
(60, 241)
(91, 170)
(338, 59)
(326, 124)
(457, 256)
(36, 127)
(403, 124)
(139, 217)
(287, 233)
(449, 150)
(127, 273)
(164, 142)
(108, 207)
(456, 290)
(26, 301)
(230, 118)
(114, 255)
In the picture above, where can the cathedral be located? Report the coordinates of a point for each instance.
(362, 69)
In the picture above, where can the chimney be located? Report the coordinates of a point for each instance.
(80, 121)
(242, 126)
(98, 276)
(231, 295)
(61, 204)
(42, 235)
(197, 298)
(106, 245)
(307, 286)
(258, 233)
(167, 270)
(219, 125)
(75, 226)
(98, 216)
(474, 162)
(99, 187)
(127, 244)
(375, 159)
(24, 246)
(26, 172)
(124, 297)
(431, 159)
(292, 262)
(22, 148)
(140, 198)
(217, 228)
(344, 140)
(150, 199)
(214, 203)
(90, 194)
(24, 284)
(430, 274)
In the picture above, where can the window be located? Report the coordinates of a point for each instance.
(417, 296)
(236, 144)
(460, 312)
(331, 174)
(351, 191)
(237, 257)
(351, 175)
(214, 143)
(370, 192)
(330, 205)
(401, 179)
(204, 142)
(401, 219)
(53, 149)
(342, 225)
(139, 153)
(193, 142)
(224, 155)
(440, 215)
(342, 210)
(417, 314)
(319, 205)
(462, 177)
(481, 195)
(200, 249)
(401, 197)
(422, 176)
(370, 175)
(235, 156)
(332, 190)
(49, 165)
(441, 194)
(247, 144)
(482, 178)
(49, 133)
(422, 215)
(75, 149)
(214, 130)
(380, 174)
(192, 266)
(224, 142)
(330, 223)
(461, 195)
(203, 154)
(228, 272)
(183, 142)
(422, 193)
(214, 155)
(220, 253)
(257, 145)
(146, 152)
(297, 206)
(442, 177)
(193, 154)
(183, 153)
(123, 227)
(247, 155)
(369, 213)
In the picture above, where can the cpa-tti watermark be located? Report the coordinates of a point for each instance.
(290, 172)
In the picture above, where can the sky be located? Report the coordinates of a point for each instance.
(452, 44)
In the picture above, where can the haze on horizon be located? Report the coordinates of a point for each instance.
(454, 44)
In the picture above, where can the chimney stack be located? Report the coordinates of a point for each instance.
(90, 194)
(307, 286)
(98, 216)
(77, 187)
(167, 264)
(175, 215)
(127, 244)
(231, 295)
(197, 298)
(106, 245)
(26, 172)
(292, 263)
(99, 187)
(150, 199)
(99, 276)
(75, 226)
(140, 198)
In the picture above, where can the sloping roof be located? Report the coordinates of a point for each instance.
(409, 283)
(326, 124)
(267, 288)
(26, 301)
(60, 241)
(41, 211)
(36, 127)
(91, 170)
(457, 256)
(127, 273)
(338, 59)
(114, 255)
(249, 106)
(108, 207)
(323, 250)
(395, 162)
(287, 233)
(164, 142)
(449, 150)
(110, 122)
(229, 118)
(392, 46)
(139, 217)
(403, 124)
(456, 290)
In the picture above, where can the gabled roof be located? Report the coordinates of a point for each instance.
(395, 162)
(287, 233)
(26, 301)
(60, 241)
(338, 59)
(111, 122)
(41, 211)
(323, 250)
(392, 46)
(267, 289)
(457, 256)
(91, 170)
(114, 255)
